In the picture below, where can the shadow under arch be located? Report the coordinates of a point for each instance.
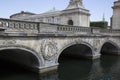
(76, 50)
(21, 56)
(109, 47)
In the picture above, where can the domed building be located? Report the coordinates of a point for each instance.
(75, 14)
(21, 15)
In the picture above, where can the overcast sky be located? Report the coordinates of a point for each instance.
(97, 7)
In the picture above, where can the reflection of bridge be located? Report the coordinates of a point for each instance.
(41, 45)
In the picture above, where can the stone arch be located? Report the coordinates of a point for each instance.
(34, 58)
(72, 44)
(109, 47)
(70, 22)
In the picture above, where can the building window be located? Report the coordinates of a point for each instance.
(0, 24)
(49, 20)
(70, 22)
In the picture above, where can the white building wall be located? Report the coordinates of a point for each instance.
(79, 15)
(116, 15)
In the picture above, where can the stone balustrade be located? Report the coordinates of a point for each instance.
(15, 26)
(110, 32)
(26, 27)
(100, 31)
(47, 28)
(75, 30)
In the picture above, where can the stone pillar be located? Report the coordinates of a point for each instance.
(96, 55)
(116, 15)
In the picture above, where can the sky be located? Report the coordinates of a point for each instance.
(97, 8)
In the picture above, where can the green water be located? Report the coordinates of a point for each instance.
(105, 68)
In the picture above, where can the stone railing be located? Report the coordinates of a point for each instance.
(47, 28)
(75, 30)
(100, 31)
(110, 32)
(15, 26)
(27, 28)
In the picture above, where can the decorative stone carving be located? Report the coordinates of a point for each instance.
(48, 49)
(96, 44)
(7, 42)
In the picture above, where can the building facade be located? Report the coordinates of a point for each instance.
(116, 15)
(75, 14)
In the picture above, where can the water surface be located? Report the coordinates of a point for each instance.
(105, 68)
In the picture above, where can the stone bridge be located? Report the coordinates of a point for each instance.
(41, 46)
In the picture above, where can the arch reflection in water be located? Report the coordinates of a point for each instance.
(106, 68)
(74, 70)
(111, 67)
(19, 75)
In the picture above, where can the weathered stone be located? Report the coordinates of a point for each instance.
(116, 15)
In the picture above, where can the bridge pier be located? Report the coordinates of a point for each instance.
(96, 56)
(93, 57)
(49, 66)
(48, 69)
(118, 52)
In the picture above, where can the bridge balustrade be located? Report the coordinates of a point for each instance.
(26, 27)
(45, 28)
(15, 26)
(73, 29)
(110, 32)
(100, 31)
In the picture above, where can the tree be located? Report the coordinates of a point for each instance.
(100, 24)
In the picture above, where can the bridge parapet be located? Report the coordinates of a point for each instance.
(37, 28)
(76, 30)
(45, 28)
(100, 31)
(110, 32)
(15, 26)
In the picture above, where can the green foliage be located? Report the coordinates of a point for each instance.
(100, 24)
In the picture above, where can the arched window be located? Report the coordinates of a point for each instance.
(0, 24)
(70, 22)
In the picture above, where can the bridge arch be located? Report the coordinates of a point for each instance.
(109, 47)
(87, 50)
(21, 55)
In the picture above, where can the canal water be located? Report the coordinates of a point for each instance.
(105, 68)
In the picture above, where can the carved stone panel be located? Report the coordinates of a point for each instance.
(7, 42)
(96, 44)
(48, 49)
